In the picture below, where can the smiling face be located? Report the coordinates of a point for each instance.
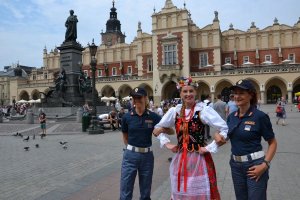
(188, 94)
(242, 97)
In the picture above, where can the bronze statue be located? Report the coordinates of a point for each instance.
(60, 81)
(71, 24)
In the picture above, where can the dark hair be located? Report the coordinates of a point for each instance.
(219, 96)
(253, 101)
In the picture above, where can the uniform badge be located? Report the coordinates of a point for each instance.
(149, 123)
(250, 122)
(136, 89)
(247, 128)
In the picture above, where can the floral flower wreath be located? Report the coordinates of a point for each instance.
(185, 82)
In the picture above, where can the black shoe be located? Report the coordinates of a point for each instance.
(170, 159)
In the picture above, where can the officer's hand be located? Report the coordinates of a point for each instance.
(256, 171)
(172, 147)
(220, 140)
(157, 131)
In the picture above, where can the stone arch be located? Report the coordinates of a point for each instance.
(108, 91)
(148, 88)
(169, 91)
(202, 90)
(35, 94)
(275, 88)
(24, 95)
(124, 90)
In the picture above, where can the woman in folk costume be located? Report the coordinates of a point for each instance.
(192, 169)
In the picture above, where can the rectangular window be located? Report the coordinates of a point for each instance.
(170, 54)
(33, 77)
(45, 76)
(292, 57)
(114, 71)
(228, 60)
(268, 58)
(203, 59)
(129, 70)
(149, 64)
(245, 59)
(100, 72)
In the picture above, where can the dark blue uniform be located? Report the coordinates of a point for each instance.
(245, 135)
(139, 129)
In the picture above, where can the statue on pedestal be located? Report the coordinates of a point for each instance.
(71, 24)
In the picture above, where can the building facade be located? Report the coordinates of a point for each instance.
(269, 57)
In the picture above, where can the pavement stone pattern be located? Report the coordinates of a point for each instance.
(89, 169)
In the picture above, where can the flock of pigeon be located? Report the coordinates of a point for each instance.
(62, 143)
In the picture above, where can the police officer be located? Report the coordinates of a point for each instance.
(137, 128)
(249, 164)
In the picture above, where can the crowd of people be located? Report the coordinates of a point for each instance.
(16, 109)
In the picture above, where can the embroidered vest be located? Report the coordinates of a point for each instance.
(196, 133)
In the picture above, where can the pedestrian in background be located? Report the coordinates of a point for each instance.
(231, 105)
(220, 107)
(42, 120)
(280, 111)
(247, 126)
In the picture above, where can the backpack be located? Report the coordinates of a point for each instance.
(278, 109)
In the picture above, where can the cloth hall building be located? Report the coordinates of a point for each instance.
(216, 59)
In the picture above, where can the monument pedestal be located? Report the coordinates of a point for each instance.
(70, 56)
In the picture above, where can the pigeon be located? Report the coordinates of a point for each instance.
(63, 143)
(20, 134)
(37, 145)
(16, 134)
(26, 139)
(26, 148)
(65, 146)
(33, 137)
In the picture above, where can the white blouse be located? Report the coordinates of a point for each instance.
(207, 115)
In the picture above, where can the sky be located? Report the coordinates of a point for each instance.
(27, 26)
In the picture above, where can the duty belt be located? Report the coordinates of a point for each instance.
(138, 149)
(249, 157)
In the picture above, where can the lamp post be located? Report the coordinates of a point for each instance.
(93, 50)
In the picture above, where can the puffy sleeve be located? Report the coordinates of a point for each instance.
(167, 121)
(210, 117)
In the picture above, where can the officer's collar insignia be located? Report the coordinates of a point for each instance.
(236, 114)
(136, 89)
(250, 113)
(250, 122)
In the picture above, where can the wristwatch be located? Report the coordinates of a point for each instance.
(267, 163)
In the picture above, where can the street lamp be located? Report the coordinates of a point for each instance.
(93, 50)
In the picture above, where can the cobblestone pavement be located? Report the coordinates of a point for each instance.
(89, 169)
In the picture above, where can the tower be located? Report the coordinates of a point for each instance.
(113, 34)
